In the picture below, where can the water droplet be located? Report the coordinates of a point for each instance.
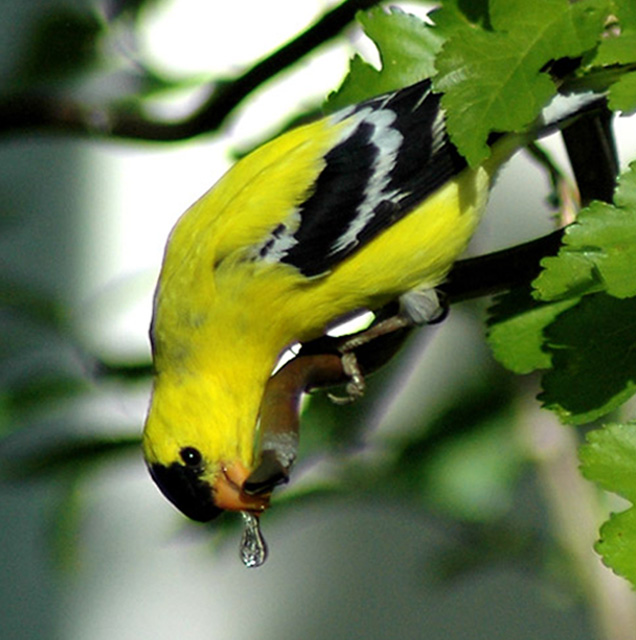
(253, 548)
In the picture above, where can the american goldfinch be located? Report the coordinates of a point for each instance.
(364, 206)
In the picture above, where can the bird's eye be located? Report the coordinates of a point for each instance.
(191, 456)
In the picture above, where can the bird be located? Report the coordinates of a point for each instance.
(367, 205)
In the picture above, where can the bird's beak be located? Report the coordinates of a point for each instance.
(229, 494)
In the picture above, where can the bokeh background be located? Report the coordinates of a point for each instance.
(444, 505)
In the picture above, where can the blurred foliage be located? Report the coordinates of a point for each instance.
(62, 44)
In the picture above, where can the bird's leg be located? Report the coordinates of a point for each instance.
(329, 361)
(424, 306)
(416, 308)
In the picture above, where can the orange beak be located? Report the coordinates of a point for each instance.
(229, 494)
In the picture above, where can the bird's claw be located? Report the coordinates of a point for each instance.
(356, 385)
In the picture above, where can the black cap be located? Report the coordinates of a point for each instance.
(184, 488)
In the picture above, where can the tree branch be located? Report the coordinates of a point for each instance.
(501, 270)
(592, 152)
(58, 114)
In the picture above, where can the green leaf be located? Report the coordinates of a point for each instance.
(616, 50)
(516, 326)
(599, 251)
(625, 11)
(593, 353)
(617, 544)
(571, 277)
(493, 80)
(618, 47)
(622, 94)
(407, 48)
(609, 459)
(458, 14)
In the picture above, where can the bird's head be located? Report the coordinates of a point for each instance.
(202, 489)
(201, 459)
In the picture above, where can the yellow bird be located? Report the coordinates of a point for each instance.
(365, 206)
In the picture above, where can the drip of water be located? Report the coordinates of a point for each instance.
(253, 548)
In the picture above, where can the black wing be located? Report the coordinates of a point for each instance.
(396, 156)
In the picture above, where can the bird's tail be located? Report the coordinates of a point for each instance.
(565, 107)
(578, 95)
